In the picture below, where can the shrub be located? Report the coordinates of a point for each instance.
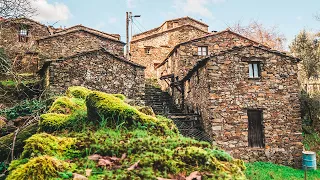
(27, 107)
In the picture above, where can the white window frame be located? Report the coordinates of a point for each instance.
(147, 50)
(23, 32)
(202, 50)
(254, 69)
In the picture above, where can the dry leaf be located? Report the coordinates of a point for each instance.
(159, 178)
(95, 157)
(88, 172)
(124, 155)
(194, 176)
(114, 159)
(104, 162)
(79, 177)
(134, 166)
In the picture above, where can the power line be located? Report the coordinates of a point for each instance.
(141, 25)
(136, 26)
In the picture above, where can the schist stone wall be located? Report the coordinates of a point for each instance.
(97, 70)
(70, 43)
(10, 30)
(151, 50)
(185, 55)
(222, 92)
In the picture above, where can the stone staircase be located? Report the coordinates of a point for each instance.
(161, 102)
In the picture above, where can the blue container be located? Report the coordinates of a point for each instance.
(309, 160)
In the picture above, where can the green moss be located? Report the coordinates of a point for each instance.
(120, 96)
(39, 168)
(46, 144)
(53, 121)
(102, 106)
(78, 92)
(146, 110)
(66, 105)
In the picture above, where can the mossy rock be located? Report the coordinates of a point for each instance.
(39, 168)
(106, 107)
(66, 105)
(120, 96)
(46, 144)
(146, 110)
(78, 92)
(53, 121)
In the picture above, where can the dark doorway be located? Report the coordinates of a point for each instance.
(255, 128)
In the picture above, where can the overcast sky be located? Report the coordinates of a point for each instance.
(290, 16)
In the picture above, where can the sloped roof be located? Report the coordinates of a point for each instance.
(97, 50)
(80, 26)
(84, 29)
(203, 37)
(203, 61)
(176, 19)
(168, 30)
(22, 18)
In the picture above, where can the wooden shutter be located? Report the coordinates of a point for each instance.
(255, 128)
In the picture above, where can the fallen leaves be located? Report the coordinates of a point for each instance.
(107, 161)
(134, 166)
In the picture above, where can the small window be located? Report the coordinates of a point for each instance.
(255, 129)
(147, 50)
(202, 50)
(254, 70)
(23, 35)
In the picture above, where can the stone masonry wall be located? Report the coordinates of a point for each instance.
(9, 35)
(276, 93)
(160, 46)
(75, 42)
(187, 54)
(172, 24)
(98, 71)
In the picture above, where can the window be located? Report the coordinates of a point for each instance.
(23, 35)
(254, 70)
(255, 129)
(202, 50)
(147, 50)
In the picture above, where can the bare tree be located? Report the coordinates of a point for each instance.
(270, 37)
(16, 8)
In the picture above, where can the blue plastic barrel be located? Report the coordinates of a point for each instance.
(309, 160)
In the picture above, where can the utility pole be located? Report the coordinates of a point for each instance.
(127, 33)
(129, 18)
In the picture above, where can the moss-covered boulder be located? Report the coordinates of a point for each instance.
(66, 105)
(146, 110)
(38, 168)
(106, 107)
(46, 144)
(78, 92)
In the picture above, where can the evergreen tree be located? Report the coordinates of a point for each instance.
(306, 48)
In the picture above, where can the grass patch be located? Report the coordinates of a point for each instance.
(265, 171)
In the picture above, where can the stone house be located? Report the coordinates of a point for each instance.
(246, 94)
(17, 37)
(98, 70)
(78, 39)
(151, 47)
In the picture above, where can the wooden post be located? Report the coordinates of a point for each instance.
(127, 34)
